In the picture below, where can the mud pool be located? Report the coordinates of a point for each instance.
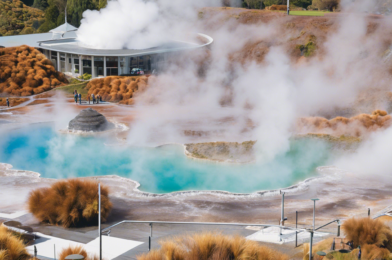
(164, 169)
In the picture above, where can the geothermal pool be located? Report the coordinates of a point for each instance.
(165, 169)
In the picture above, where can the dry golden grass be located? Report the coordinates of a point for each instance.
(278, 7)
(11, 247)
(367, 231)
(117, 88)
(13, 101)
(24, 71)
(353, 126)
(212, 246)
(79, 250)
(69, 203)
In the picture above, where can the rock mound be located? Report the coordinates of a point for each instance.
(90, 120)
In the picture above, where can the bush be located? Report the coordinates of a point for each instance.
(278, 7)
(117, 88)
(69, 203)
(25, 70)
(211, 246)
(367, 231)
(11, 247)
(72, 250)
(329, 5)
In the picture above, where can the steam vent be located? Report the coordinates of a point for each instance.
(90, 120)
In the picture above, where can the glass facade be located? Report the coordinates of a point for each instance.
(68, 58)
(98, 66)
(86, 63)
(112, 66)
(53, 58)
(62, 62)
(142, 62)
(123, 66)
(76, 63)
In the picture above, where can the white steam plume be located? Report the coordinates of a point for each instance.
(139, 24)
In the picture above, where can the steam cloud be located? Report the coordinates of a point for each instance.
(138, 24)
(235, 101)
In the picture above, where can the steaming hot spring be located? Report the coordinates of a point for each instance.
(164, 169)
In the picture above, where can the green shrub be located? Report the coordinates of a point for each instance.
(87, 76)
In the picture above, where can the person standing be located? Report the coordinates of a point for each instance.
(8, 103)
(359, 252)
(93, 98)
(97, 99)
(76, 97)
(80, 99)
(88, 97)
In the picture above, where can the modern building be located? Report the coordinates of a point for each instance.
(60, 45)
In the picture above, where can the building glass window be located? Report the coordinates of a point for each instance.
(111, 66)
(62, 62)
(76, 63)
(86, 63)
(69, 62)
(53, 59)
(98, 66)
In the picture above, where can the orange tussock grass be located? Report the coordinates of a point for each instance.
(117, 88)
(13, 101)
(367, 231)
(11, 247)
(278, 7)
(369, 252)
(69, 203)
(211, 246)
(24, 71)
(79, 250)
(350, 126)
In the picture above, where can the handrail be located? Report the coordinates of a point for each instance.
(336, 220)
(200, 223)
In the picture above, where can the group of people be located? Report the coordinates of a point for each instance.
(77, 96)
(95, 99)
(351, 246)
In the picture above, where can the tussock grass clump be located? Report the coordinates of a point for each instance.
(212, 246)
(367, 231)
(11, 247)
(354, 126)
(117, 88)
(13, 101)
(278, 7)
(79, 250)
(70, 203)
(24, 71)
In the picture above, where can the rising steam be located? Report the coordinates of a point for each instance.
(231, 100)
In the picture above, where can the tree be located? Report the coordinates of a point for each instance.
(75, 8)
(254, 4)
(41, 4)
(301, 3)
(325, 4)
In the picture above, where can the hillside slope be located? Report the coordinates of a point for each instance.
(18, 18)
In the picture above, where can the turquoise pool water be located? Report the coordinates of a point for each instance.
(158, 170)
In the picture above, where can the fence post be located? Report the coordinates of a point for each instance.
(296, 227)
(369, 212)
(338, 228)
(311, 245)
(149, 238)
